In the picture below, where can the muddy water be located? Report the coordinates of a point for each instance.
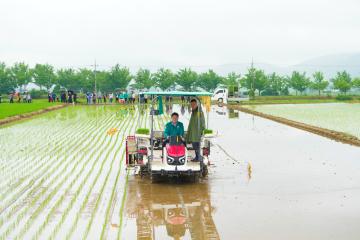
(266, 181)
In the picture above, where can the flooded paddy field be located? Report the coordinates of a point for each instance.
(341, 117)
(63, 177)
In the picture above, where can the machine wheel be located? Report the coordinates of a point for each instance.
(195, 178)
(220, 100)
(204, 171)
(154, 178)
(143, 171)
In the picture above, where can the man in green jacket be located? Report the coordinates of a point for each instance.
(174, 127)
(195, 129)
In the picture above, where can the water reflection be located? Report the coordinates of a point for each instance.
(179, 211)
(222, 110)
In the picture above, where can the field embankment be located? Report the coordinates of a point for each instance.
(262, 100)
(17, 111)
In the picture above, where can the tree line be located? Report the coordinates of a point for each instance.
(256, 81)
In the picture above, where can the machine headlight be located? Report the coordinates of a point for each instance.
(182, 160)
(170, 159)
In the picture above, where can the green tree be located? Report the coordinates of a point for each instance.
(69, 79)
(186, 78)
(118, 77)
(299, 82)
(342, 81)
(208, 80)
(86, 78)
(164, 78)
(253, 80)
(276, 85)
(44, 75)
(319, 83)
(356, 82)
(21, 73)
(7, 84)
(103, 81)
(232, 79)
(143, 79)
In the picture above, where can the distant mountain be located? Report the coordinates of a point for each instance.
(331, 64)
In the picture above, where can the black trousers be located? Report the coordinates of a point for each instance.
(196, 147)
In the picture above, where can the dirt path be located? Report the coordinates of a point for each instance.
(29, 115)
(335, 135)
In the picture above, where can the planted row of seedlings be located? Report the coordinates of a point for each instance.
(38, 197)
(39, 166)
(111, 205)
(42, 176)
(19, 167)
(74, 200)
(72, 183)
(60, 200)
(51, 173)
(37, 170)
(85, 202)
(18, 140)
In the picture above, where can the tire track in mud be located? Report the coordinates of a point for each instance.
(123, 199)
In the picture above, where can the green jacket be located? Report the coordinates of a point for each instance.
(196, 126)
(171, 130)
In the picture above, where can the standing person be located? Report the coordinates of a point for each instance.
(11, 98)
(104, 97)
(133, 96)
(116, 97)
(87, 98)
(94, 98)
(25, 97)
(0, 97)
(99, 97)
(75, 98)
(70, 100)
(28, 98)
(126, 97)
(182, 99)
(19, 97)
(49, 97)
(195, 129)
(53, 96)
(111, 96)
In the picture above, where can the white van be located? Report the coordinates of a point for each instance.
(221, 95)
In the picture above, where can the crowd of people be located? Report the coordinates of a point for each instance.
(91, 97)
(123, 97)
(65, 97)
(18, 97)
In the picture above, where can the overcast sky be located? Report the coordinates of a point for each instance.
(176, 32)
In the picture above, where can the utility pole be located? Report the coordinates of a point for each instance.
(253, 77)
(95, 65)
